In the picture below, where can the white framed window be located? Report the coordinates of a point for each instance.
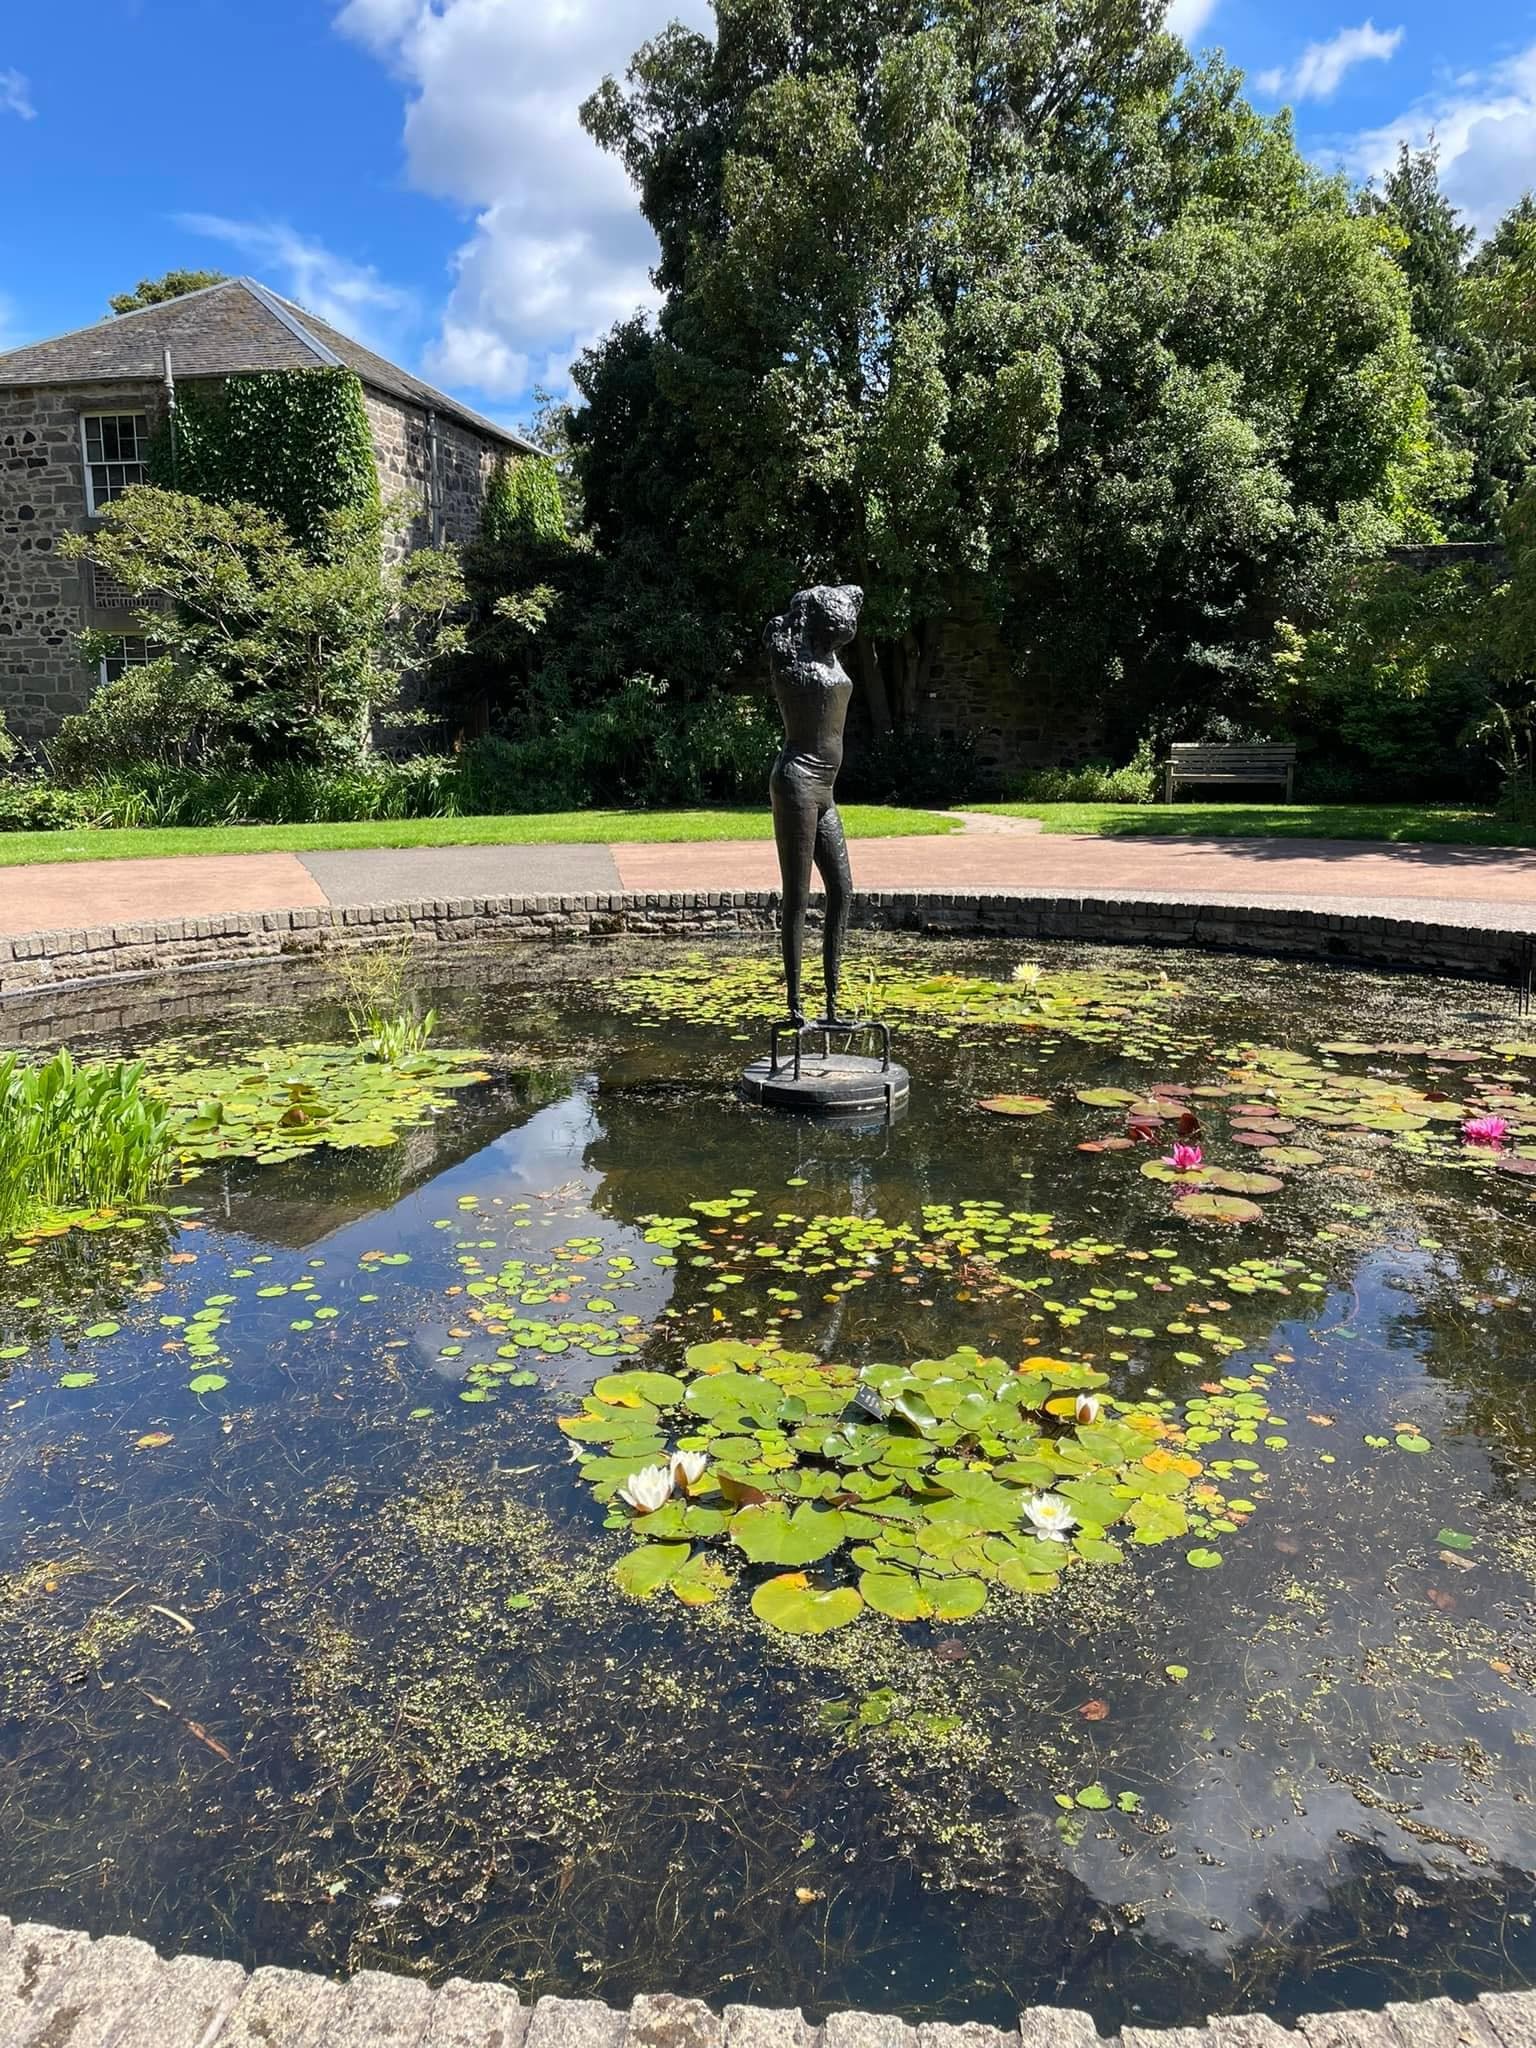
(116, 454)
(128, 650)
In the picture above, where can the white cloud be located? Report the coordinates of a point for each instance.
(1186, 18)
(559, 249)
(16, 96)
(1484, 126)
(1319, 71)
(351, 296)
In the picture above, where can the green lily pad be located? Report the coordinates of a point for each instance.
(1015, 1105)
(645, 1570)
(773, 1534)
(798, 1608)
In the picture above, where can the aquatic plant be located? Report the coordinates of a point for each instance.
(1186, 1158)
(939, 1480)
(1486, 1130)
(281, 1101)
(648, 1489)
(76, 1137)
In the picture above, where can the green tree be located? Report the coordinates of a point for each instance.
(1002, 298)
(266, 649)
(155, 291)
(1474, 322)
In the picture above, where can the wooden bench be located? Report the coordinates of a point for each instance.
(1196, 762)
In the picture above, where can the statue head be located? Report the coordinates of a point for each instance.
(818, 622)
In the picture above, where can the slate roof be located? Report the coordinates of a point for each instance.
(237, 325)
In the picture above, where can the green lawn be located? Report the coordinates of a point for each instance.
(562, 828)
(1406, 822)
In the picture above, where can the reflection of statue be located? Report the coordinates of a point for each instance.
(813, 690)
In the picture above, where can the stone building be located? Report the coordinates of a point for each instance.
(76, 418)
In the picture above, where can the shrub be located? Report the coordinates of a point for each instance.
(75, 1137)
(268, 649)
(37, 806)
(1095, 782)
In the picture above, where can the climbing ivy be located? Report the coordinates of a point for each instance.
(523, 502)
(293, 441)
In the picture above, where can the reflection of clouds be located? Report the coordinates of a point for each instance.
(1344, 1670)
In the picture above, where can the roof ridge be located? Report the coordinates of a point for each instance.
(292, 317)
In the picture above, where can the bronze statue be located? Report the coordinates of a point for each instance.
(813, 690)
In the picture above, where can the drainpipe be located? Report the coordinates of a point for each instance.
(170, 409)
(434, 484)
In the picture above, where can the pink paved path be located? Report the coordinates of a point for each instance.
(1292, 868)
(1362, 874)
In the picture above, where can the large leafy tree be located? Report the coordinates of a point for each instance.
(996, 302)
(1474, 318)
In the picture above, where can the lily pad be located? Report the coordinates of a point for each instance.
(792, 1604)
(1015, 1105)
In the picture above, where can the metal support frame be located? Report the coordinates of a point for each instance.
(847, 1030)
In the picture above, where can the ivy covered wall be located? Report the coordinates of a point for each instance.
(294, 441)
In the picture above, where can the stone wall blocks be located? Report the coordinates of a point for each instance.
(574, 2023)
(663, 2020)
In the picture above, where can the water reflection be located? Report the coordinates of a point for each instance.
(335, 1633)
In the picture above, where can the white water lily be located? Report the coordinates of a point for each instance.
(1028, 973)
(649, 1489)
(688, 1467)
(1087, 1408)
(1051, 1516)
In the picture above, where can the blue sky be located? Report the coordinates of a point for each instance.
(413, 169)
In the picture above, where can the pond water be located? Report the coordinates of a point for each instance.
(311, 1645)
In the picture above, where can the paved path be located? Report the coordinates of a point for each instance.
(1488, 884)
(61, 1990)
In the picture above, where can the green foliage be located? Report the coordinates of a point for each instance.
(1387, 698)
(36, 805)
(1095, 782)
(1042, 318)
(1476, 334)
(295, 442)
(157, 291)
(75, 1137)
(523, 502)
(267, 645)
(383, 1017)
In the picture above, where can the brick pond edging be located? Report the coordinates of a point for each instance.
(1482, 943)
(61, 1990)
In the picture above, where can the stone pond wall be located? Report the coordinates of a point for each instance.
(38, 961)
(62, 1990)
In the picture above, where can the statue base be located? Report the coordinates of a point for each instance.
(804, 1074)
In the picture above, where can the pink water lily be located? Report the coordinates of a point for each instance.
(1185, 1159)
(1485, 1130)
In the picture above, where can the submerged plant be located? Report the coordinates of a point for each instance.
(76, 1137)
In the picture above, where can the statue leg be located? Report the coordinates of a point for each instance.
(794, 831)
(837, 879)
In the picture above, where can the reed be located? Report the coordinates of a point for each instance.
(76, 1137)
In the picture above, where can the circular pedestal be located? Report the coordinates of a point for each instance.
(831, 1084)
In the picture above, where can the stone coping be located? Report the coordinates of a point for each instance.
(1481, 942)
(63, 1990)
